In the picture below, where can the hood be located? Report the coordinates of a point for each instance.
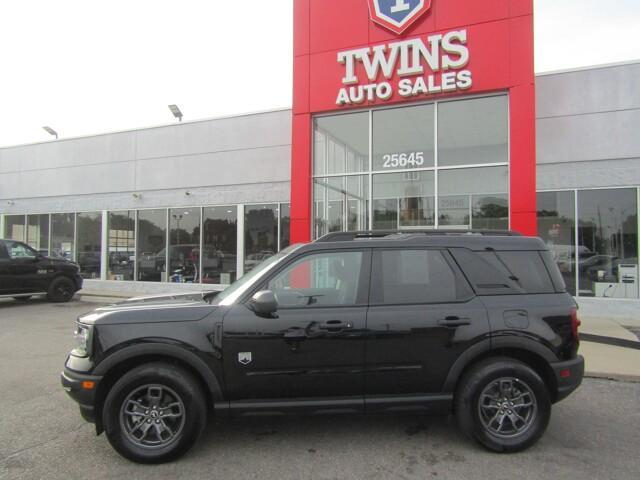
(160, 309)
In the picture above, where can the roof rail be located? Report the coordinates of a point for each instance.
(363, 235)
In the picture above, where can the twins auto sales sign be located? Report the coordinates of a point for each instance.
(416, 67)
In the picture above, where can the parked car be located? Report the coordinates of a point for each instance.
(476, 324)
(24, 273)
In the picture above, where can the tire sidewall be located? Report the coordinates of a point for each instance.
(469, 416)
(183, 384)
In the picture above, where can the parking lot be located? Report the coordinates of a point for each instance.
(594, 434)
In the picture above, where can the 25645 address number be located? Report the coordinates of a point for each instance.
(403, 160)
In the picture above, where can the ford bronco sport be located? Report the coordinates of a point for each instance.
(478, 324)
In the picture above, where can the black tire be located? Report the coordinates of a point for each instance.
(178, 385)
(523, 426)
(23, 299)
(61, 289)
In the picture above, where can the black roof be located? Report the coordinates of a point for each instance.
(472, 239)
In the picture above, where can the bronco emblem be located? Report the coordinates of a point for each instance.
(244, 358)
(397, 15)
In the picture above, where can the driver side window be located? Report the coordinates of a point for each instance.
(323, 279)
(19, 250)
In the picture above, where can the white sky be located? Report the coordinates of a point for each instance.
(89, 66)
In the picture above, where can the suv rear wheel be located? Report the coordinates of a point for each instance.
(503, 404)
(154, 413)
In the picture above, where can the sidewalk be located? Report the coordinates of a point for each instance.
(609, 320)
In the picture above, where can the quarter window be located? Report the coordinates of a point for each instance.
(326, 279)
(413, 277)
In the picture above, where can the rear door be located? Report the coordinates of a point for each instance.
(5, 270)
(422, 317)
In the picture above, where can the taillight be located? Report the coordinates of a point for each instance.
(575, 323)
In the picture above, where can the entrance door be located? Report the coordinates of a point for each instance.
(422, 317)
(313, 348)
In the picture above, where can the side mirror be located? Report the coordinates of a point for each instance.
(264, 303)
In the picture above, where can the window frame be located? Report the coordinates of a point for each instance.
(364, 283)
(460, 279)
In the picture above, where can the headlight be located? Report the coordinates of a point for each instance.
(82, 337)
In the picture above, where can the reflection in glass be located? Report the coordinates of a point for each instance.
(184, 245)
(341, 144)
(608, 243)
(285, 225)
(152, 248)
(485, 190)
(122, 245)
(472, 132)
(219, 247)
(403, 200)
(556, 226)
(89, 243)
(260, 234)
(38, 233)
(403, 138)
(14, 227)
(341, 204)
(62, 233)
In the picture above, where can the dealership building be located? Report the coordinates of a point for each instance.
(407, 115)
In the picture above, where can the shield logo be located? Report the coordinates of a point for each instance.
(397, 15)
(244, 358)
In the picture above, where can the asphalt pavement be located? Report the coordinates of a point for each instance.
(594, 434)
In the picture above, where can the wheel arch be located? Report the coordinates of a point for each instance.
(533, 354)
(122, 361)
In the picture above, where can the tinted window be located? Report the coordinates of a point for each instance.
(528, 270)
(319, 280)
(413, 277)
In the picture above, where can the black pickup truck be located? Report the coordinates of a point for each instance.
(25, 273)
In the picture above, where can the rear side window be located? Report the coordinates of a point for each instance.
(528, 270)
(404, 277)
(505, 273)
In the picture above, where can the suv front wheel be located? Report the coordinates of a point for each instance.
(154, 413)
(503, 404)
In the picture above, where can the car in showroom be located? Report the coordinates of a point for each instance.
(25, 273)
(475, 324)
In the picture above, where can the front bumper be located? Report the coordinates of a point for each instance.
(79, 281)
(568, 376)
(74, 384)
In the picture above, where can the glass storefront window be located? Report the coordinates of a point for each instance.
(403, 200)
(608, 243)
(14, 227)
(556, 226)
(483, 191)
(260, 234)
(341, 144)
(152, 245)
(184, 245)
(62, 235)
(403, 138)
(90, 244)
(122, 245)
(285, 225)
(38, 233)
(341, 204)
(219, 247)
(472, 132)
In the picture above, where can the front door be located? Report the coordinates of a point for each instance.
(27, 269)
(313, 348)
(422, 317)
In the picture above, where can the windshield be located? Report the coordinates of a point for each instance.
(231, 294)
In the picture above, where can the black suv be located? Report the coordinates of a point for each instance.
(477, 324)
(24, 273)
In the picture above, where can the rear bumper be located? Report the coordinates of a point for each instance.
(72, 383)
(568, 376)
